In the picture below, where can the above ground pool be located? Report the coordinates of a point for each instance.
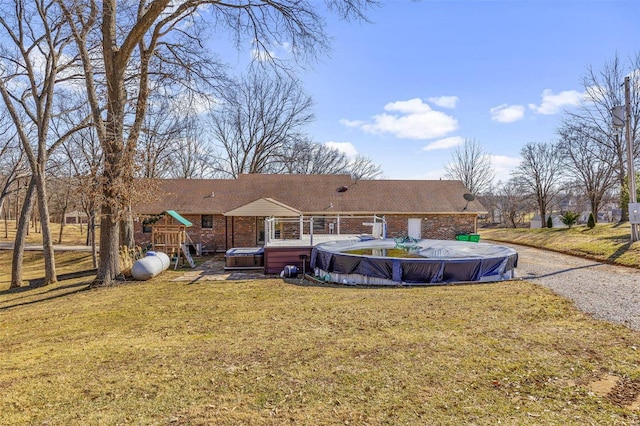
(412, 262)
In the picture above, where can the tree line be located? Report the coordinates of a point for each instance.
(587, 159)
(101, 93)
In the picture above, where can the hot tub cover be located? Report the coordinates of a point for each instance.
(440, 261)
(245, 251)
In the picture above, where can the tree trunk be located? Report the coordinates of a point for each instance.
(595, 202)
(62, 218)
(109, 264)
(21, 234)
(45, 227)
(91, 234)
(126, 231)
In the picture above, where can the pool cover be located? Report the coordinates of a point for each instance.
(431, 261)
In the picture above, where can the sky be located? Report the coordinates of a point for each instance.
(407, 87)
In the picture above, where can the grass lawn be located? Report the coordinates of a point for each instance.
(269, 352)
(71, 234)
(606, 242)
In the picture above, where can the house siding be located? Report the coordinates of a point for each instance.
(437, 226)
(240, 231)
(212, 239)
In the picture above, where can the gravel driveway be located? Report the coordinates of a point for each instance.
(608, 292)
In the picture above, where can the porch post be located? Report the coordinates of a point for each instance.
(301, 226)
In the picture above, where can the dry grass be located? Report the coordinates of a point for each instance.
(605, 242)
(268, 352)
(71, 234)
(66, 262)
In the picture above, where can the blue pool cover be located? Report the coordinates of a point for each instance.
(431, 261)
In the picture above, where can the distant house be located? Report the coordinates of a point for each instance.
(555, 218)
(229, 213)
(76, 217)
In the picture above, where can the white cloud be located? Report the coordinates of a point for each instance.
(553, 104)
(351, 123)
(263, 55)
(197, 103)
(411, 119)
(444, 143)
(507, 113)
(268, 52)
(346, 147)
(503, 165)
(433, 175)
(412, 106)
(595, 94)
(444, 101)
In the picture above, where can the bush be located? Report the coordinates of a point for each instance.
(549, 222)
(569, 218)
(591, 222)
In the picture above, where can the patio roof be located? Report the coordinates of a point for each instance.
(264, 207)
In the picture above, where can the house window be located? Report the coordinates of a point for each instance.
(318, 223)
(207, 221)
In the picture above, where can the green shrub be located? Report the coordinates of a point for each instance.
(549, 222)
(591, 222)
(569, 218)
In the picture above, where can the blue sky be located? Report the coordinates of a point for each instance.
(422, 76)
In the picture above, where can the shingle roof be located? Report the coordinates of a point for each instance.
(311, 194)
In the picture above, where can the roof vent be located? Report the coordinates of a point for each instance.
(342, 189)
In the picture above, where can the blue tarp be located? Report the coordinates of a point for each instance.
(443, 262)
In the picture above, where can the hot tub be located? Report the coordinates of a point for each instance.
(244, 257)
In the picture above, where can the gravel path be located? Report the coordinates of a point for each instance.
(607, 292)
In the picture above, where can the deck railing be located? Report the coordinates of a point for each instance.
(304, 228)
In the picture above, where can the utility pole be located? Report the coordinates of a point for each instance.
(632, 174)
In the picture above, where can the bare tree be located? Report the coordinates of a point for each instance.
(157, 141)
(362, 167)
(12, 167)
(593, 119)
(471, 165)
(33, 70)
(196, 158)
(84, 155)
(306, 157)
(539, 174)
(159, 34)
(588, 163)
(262, 115)
(512, 203)
(130, 45)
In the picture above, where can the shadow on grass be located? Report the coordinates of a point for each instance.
(619, 252)
(50, 293)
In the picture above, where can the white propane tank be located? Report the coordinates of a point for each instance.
(147, 268)
(166, 262)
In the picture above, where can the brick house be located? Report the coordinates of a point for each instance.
(229, 213)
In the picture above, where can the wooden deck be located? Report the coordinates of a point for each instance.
(280, 253)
